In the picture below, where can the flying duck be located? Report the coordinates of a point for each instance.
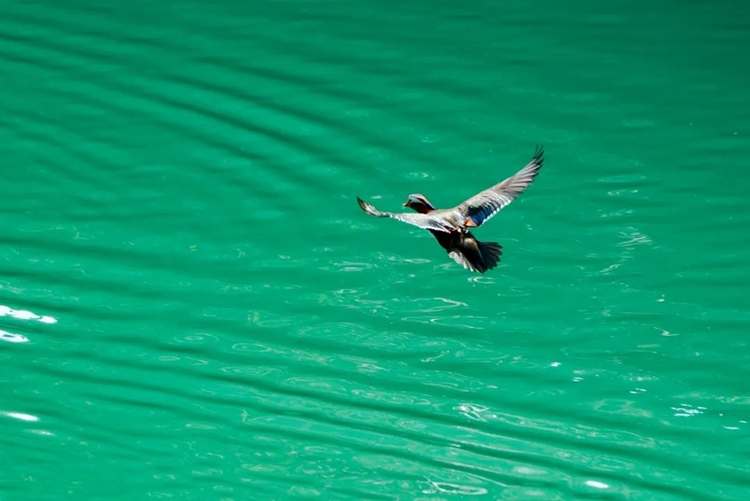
(451, 226)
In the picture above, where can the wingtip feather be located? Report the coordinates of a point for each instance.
(538, 157)
(368, 208)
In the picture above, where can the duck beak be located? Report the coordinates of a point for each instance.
(407, 203)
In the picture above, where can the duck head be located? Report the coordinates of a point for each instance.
(419, 203)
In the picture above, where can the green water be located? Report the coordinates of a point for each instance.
(193, 306)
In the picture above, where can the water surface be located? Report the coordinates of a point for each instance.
(193, 306)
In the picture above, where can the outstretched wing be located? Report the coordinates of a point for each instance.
(487, 203)
(424, 221)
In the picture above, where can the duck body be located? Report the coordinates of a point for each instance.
(469, 252)
(462, 246)
(450, 227)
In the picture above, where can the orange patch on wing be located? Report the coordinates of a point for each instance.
(470, 222)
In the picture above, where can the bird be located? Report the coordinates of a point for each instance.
(450, 227)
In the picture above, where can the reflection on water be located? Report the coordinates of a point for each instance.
(21, 315)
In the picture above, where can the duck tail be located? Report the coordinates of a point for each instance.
(491, 252)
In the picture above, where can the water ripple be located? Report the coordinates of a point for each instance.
(179, 206)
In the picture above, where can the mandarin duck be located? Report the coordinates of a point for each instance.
(451, 226)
